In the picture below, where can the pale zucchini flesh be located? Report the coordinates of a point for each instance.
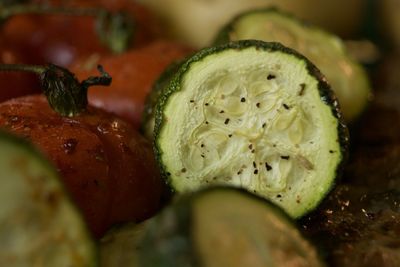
(39, 225)
(327, 51)
(255, 115)
(119, 247)
(224, 227)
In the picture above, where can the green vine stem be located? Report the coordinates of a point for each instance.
(65, 94)
(114, 29)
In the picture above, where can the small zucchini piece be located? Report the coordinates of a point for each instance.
(252, 114)
(327, 51)
(224, 226)
(39, 225)
(118, 248)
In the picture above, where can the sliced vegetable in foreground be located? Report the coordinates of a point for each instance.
(105, 164)
(224, 226)
(120, 246)
(252, 114)
(347, 78)
(39, 225)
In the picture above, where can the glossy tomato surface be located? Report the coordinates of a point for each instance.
(133, 74)
(107, 167)
(61, 39)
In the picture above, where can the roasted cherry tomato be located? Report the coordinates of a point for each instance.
(108, 168)
(133, 74)
(60, 39)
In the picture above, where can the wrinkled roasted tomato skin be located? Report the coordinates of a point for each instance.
(133, 74)
(107, 167)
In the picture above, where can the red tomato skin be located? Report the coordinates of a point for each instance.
(133, 74)
(107, 166)
(61, 39)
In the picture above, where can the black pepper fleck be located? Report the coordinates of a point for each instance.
(267, 166)
(286, 106)
(243, 99)
(302, 89)
(226, 121)
(271, 76)
(285, 157)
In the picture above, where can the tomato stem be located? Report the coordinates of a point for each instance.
(114, 29)
(65, 94)
(22, 67)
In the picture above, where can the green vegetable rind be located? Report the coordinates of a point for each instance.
(26, 151)
(224, 36)
(148, 116)
(169, 241)
(326, 94)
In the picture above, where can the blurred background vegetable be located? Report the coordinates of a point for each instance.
(196, 21)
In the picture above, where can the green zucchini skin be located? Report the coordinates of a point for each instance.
(341, 82)
(326, 95)
(175, 237)
(148, 117)
(39, 224)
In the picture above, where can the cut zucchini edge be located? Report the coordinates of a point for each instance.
(148, 116)
(325, 94)
(39, 225)
(347, 77)
(224, 226)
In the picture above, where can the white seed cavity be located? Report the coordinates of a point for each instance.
(252, 132)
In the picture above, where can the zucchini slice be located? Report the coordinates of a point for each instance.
(39, 225)
(347, 78)
(118, 248)
(251, 114)
(224, 226)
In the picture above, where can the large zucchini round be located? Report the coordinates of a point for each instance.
(327, 51)
(39, 225)
(251, 114)
(224, 227)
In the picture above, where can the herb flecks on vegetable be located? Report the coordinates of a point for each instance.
(262, 140)
(114, 29)
(66, 95)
